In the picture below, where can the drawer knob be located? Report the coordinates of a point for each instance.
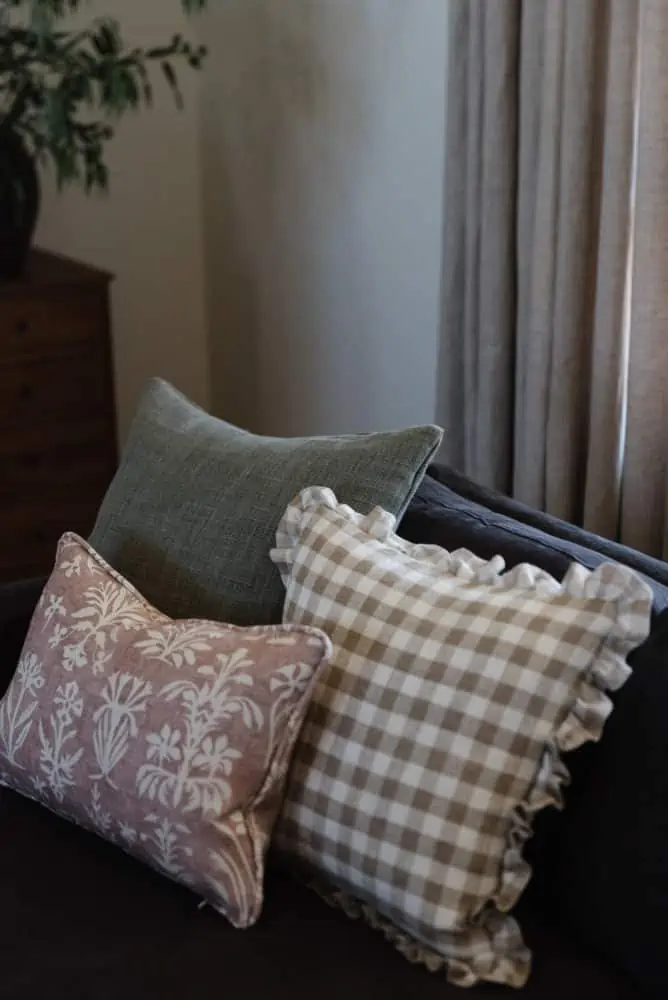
(22, 326)
(26, 392)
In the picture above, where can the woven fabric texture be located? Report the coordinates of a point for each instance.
(434, 734)
(192, 512)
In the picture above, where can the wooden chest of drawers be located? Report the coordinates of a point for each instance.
(57, 420)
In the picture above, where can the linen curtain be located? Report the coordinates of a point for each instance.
(554, 354)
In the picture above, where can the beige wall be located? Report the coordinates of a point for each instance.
(297, 222)
(323, 142)
(148, 231)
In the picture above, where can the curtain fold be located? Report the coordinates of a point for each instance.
(553, 357)
(610, 341)
(643, 521)
(478, 343)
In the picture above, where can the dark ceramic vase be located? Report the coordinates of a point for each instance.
(19, 203)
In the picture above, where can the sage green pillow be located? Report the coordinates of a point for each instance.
(192, 512)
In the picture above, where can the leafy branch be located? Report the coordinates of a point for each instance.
(63, 91)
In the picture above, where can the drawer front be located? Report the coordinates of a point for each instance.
(29, 534)
(51, 464)
(64, 389)
(47, 323)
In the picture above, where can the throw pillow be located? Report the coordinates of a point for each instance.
(434, 736)
(169, 738)
(192, 513)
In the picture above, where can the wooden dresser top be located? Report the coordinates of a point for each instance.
(45, 269)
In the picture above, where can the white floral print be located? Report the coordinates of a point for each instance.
(100, 819)
(185, 767)
(124, 700)
(108, 610)
(58, 633)
(56, 759)
(68, 702)
(167, 838)
(178, 643)
(54, 607)
(18, 707)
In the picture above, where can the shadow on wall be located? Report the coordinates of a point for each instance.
(287, 118)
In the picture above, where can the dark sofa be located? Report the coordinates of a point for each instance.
(82, 920)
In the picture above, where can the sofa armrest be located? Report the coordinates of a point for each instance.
(655, 569)
(17, 604)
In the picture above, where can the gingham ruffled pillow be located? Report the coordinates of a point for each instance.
(434, 735)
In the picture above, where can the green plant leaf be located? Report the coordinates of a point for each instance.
(60, 87)
(170, 76)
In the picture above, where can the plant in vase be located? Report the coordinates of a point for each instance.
(63, 85)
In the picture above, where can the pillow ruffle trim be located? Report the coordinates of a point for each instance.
(508, 960)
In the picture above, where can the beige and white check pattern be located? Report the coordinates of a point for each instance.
(434, 734)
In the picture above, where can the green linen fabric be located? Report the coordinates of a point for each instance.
(191, 515)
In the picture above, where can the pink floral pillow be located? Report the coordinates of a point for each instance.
(169, 738)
